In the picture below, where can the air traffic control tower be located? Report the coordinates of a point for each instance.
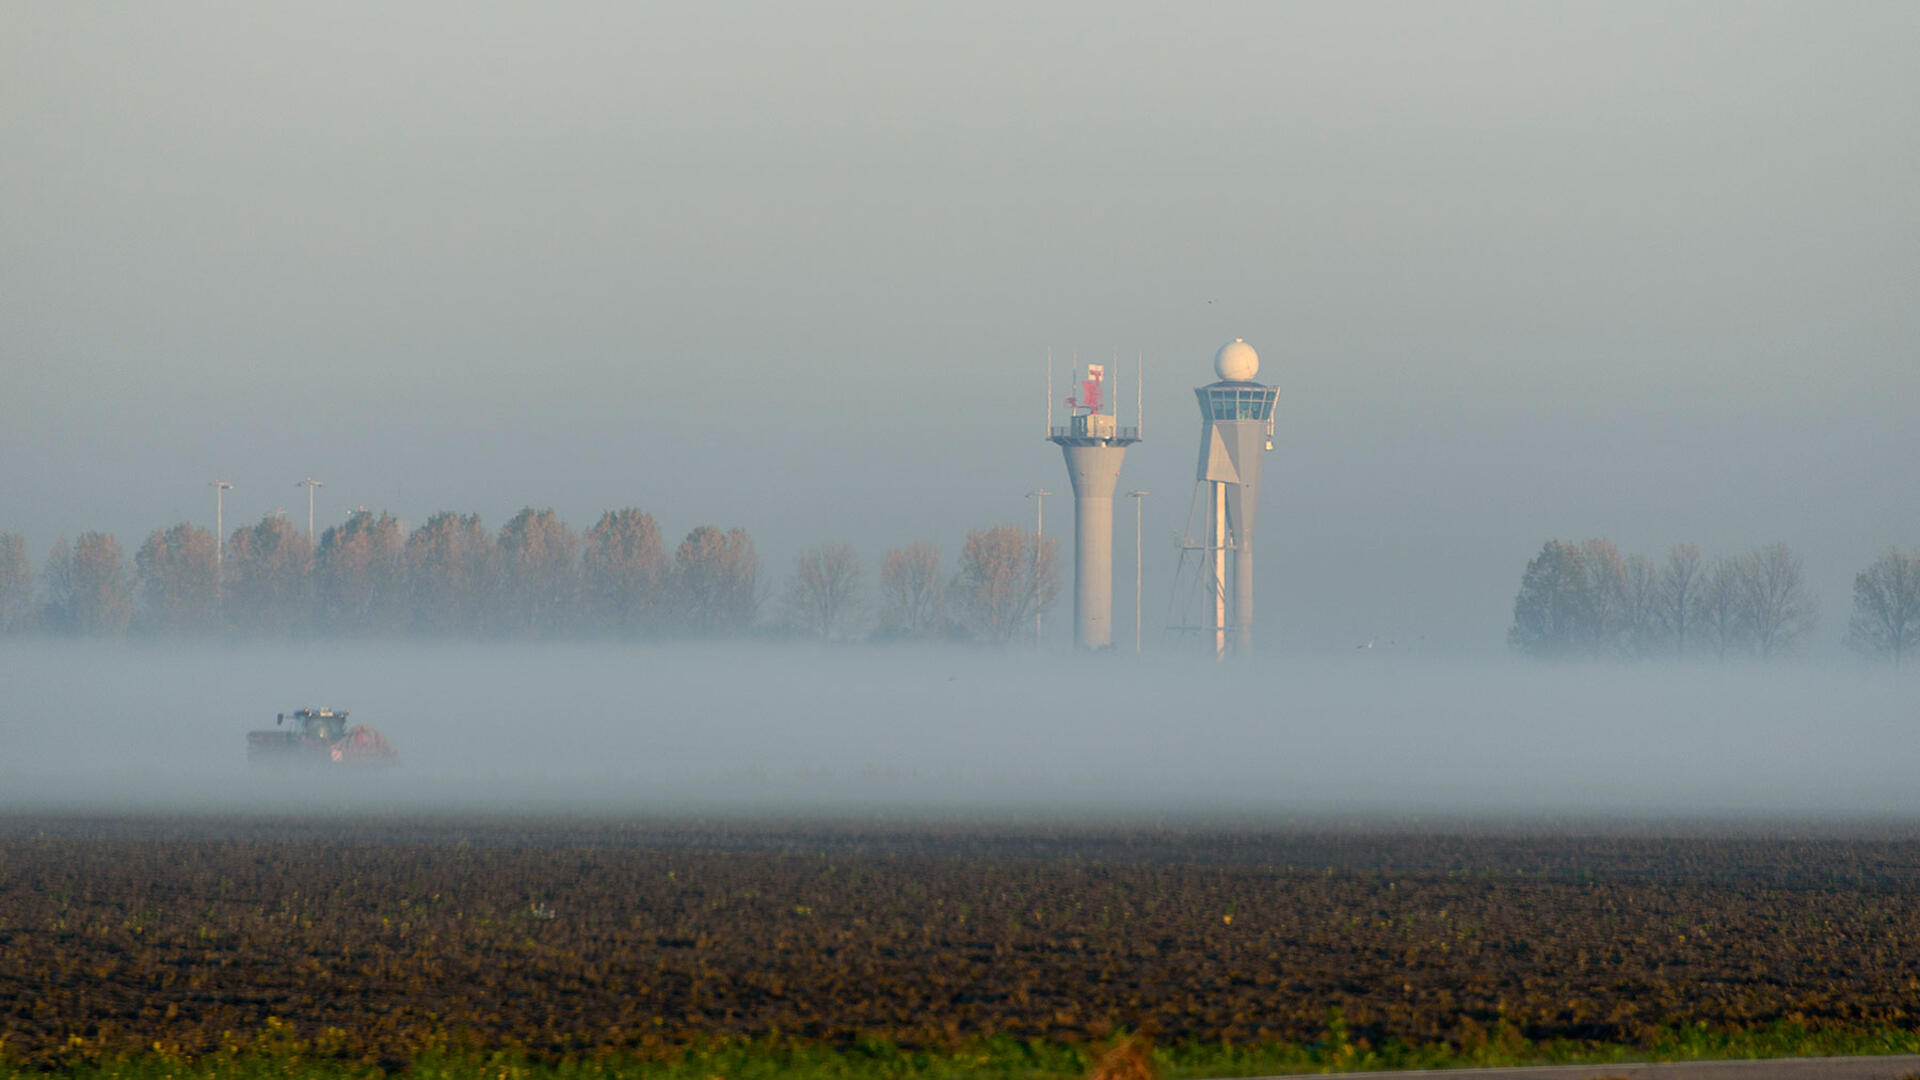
(1094, 445)
(1236, 428)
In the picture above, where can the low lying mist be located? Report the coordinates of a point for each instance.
(953, 733)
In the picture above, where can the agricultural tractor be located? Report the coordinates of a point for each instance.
(319, 737)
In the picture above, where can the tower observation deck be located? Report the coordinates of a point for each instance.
(1094, 445)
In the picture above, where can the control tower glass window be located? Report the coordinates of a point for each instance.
(1241, 402)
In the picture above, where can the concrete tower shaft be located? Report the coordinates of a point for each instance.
(1094, 469)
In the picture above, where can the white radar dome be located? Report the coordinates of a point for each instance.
(1236, 361)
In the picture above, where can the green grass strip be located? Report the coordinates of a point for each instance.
(997, 1059)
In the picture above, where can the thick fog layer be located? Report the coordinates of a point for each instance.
(977, 733)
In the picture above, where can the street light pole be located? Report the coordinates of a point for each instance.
(1039, 497)
(220, 488)
(310, 483)
(1136, 496)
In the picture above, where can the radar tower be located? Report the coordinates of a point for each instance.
(1236, 428)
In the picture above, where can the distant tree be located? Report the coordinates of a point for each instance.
(16, 584)
(824, 593)
(102, 596)
(1721, 616)
(1646, 633)
(1608, 621)
(1776, 606)
(912, 602)
(538, 589)
(1553, 615)
(358, 576)
(716, 581)
(1886, 607)
(179, 584)
(450, 564)
(623, 571)
(1679, 595)
(268, 578)
(56, 591)
(1006, 576)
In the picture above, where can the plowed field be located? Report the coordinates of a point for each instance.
(380, 938)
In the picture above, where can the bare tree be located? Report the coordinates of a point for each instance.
(1679, 594)
(1720, 615)
(1645, 632)
(179, 581)
(1608, 616)
(16, 584)
(1886, 607)
(102, 597)
(824, 592)
(1006, 575)
(912, 601)
(538, 588)
(716, 581)
(358, 575)
(1777, 607)
(623, 571)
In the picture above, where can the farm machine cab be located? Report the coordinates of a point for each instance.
(319, 737)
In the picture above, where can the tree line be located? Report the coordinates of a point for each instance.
(534, 578)
(1586, 600)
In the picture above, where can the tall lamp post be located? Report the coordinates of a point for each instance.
(220, 488)
(1039, 497)
(1136, 496)
(310, 483)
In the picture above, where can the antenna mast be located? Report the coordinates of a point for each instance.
(1139, 403)
(1049, 393)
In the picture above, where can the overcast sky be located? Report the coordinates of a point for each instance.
(1522, 271)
